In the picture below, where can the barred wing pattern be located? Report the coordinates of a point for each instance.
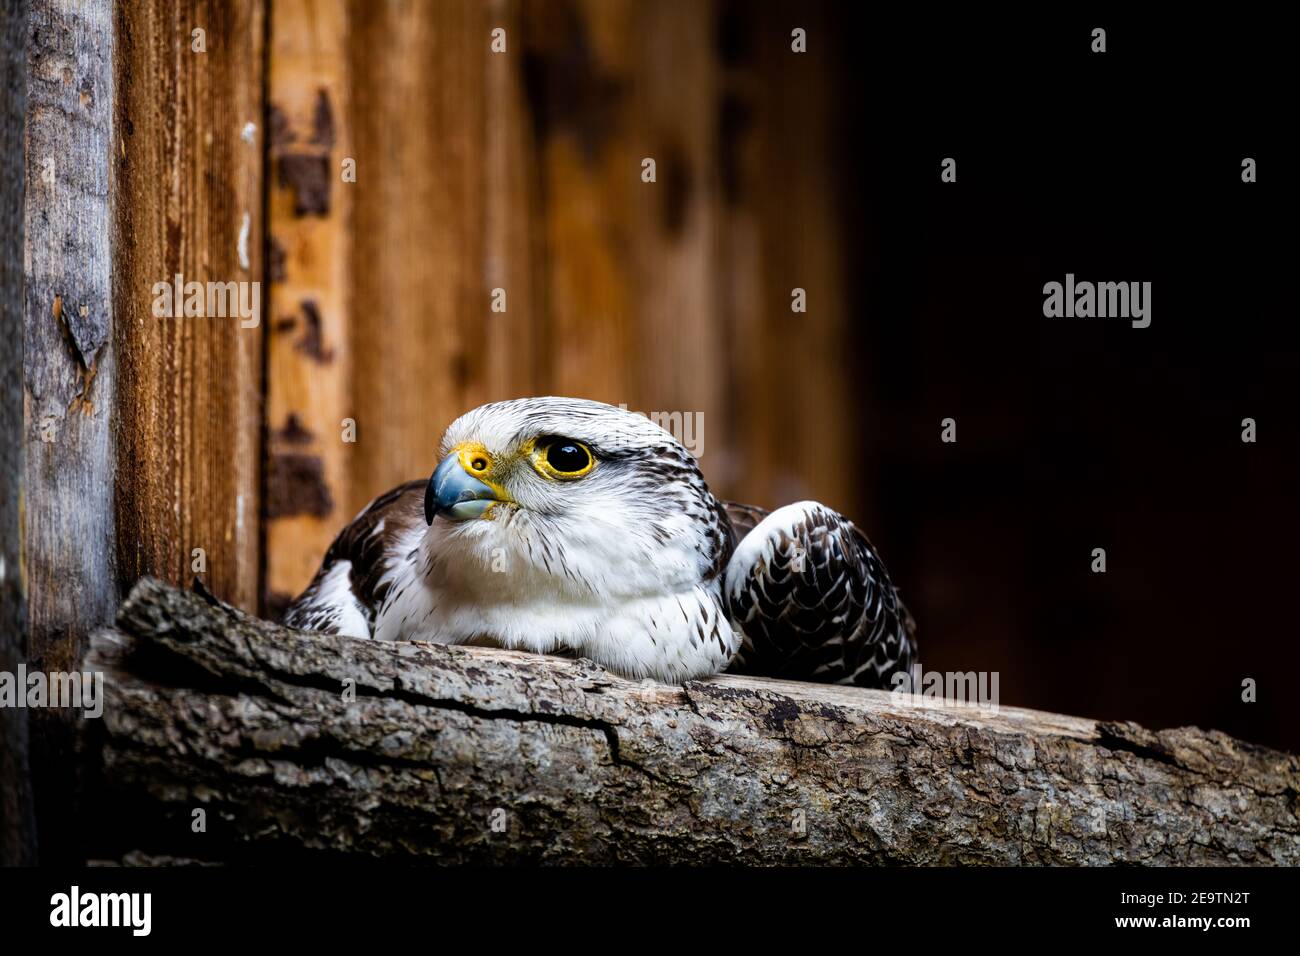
(813, 599)
(354, 578)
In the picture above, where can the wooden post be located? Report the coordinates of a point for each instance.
(69, 373)
(17, 823)
(141, 440)
(188, 156)
(69, 365)
(309, 354)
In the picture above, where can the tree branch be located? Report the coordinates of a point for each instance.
(454, 754)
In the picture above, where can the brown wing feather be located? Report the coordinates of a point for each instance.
(743, 518)
(368, 543)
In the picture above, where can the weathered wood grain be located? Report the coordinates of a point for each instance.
(509, 345)
(437, 173)
(69, 371)
(187, 155)
(17, 823)
(69, 364)
(478, 755)
(796, 393)
(309, 357)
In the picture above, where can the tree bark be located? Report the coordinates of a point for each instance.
(464, 754)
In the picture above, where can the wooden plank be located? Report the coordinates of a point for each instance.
(69, 372)
(678, 353)
(188, 168)
(17, 822)
(630, 268)
(580, 68)
(510, 343)
(795, 387)
(308, 349)
(676, 296)
(421, 348)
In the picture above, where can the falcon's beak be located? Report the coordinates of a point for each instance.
(453, 493)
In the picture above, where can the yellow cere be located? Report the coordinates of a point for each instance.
(476, 461)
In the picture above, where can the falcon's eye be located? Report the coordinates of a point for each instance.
(565, 458)
(568, 457)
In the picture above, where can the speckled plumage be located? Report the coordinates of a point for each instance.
(635, 564)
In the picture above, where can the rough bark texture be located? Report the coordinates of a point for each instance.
(481, 755)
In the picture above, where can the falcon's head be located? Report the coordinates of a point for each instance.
(564, 503)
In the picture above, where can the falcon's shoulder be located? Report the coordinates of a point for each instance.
(353, 579)
(813, 599)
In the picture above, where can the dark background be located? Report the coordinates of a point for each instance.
(1083, 433)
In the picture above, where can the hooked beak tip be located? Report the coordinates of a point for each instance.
(456, 494)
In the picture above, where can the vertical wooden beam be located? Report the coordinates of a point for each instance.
(580, 71)
(188, 168)
(739, 306)
(792, 394)
(809, 377)
(514, 362)
(69, 362)
(69, 374)
(422, 346)
(631, 266)
(17, 822)
(309, 354)
(443, 214)
(678, 356)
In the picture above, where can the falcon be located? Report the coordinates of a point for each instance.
(567, 526)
